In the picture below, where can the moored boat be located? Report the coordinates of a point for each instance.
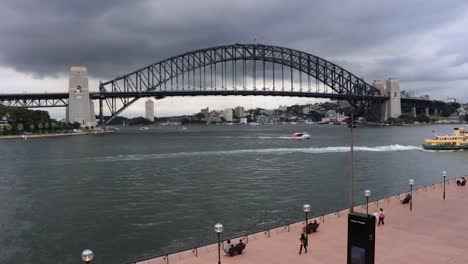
(457, 141)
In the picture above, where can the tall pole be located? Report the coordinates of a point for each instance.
(101, 114)
(351, 177)
(219, 249)
(411, 200)
(444, 173)
(307, 233)
(367, 205)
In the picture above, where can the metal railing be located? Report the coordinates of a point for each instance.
(267, 232)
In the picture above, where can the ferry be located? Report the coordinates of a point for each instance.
(457, 141)
(301, 135)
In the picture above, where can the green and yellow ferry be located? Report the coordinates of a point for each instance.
(457, 141)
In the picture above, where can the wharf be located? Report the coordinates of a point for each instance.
(435, 232)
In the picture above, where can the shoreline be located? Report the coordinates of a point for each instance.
(54, 135)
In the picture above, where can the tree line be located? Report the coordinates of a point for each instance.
(22, 120)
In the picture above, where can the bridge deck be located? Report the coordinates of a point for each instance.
(435, 231)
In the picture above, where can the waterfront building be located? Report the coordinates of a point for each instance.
(305, 110)
(205, 112)
(228, 114)
(283, 108)
(239, 112)
(149, 110)
(243, 120)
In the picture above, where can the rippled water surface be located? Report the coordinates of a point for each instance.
(141, 193)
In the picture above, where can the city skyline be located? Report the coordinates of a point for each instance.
(426, 54)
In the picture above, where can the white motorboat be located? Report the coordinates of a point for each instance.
(301, 135)
(144, 128)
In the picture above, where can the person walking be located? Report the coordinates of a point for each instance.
(381, 217)
(303, 240)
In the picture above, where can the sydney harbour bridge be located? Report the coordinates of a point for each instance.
(236, 70)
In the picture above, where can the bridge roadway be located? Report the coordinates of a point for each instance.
(162, 94)
(435, 232)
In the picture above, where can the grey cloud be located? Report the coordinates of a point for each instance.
(114, 37)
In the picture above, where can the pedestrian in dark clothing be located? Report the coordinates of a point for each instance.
(381, 217)
(303, 240)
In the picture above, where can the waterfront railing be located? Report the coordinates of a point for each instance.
(267, 233)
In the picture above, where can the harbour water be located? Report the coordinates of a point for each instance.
(141, 193)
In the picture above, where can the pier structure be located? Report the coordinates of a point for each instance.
(434, 232)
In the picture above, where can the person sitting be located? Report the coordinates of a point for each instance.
(227, 247)
(240, 242)
(312, 227)
(463, 181)
(407, 199)
(459, 180)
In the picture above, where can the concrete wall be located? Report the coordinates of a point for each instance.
(379, 84)
(393, 105)
(80, 108)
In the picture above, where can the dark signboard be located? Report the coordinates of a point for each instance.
(361, 238)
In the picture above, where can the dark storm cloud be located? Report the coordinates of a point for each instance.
(115, 37)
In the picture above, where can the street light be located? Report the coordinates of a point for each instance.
(351, 176)
(367, 193)
(444, 174)
(218, 228)
(87, 255)
(306, 209)
(411, 183)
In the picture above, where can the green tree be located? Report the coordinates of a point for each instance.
(76, 125)
(46, 126)
(31, 127)
(423, 119)
(19, 127)
(40, 126)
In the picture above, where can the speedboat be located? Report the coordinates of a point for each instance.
(301, 135)
(144, 128)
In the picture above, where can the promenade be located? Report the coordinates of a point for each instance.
(435, 232)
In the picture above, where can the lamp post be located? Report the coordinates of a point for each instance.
(306, 209)
(218, 228)
(411, 183)
(367, 193)
(444, 174)
(351, 176)
(87, 255)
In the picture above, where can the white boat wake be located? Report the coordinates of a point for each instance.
(269, 151)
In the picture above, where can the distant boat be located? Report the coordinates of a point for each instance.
(254, 124)
(301, 135)
(144, 128)
(183, 128)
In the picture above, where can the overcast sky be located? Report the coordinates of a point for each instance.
(422, 43)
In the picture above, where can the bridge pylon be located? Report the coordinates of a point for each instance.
(80, 108)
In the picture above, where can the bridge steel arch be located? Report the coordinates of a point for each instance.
(162, 79)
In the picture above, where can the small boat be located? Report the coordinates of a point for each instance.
(144, 128)
(301, 135)
(183, 128)
(457, 141)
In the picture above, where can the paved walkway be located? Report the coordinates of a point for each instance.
(436, 231)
